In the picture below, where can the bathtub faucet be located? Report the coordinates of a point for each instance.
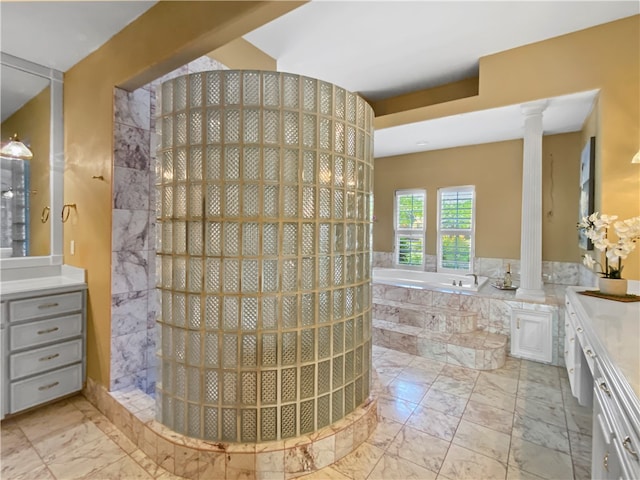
(475, 278)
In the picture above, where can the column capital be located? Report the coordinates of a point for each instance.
(533, 108)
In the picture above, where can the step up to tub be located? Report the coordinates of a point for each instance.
(434, 319)
(479, 349)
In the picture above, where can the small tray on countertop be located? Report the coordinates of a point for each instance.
(502, 287)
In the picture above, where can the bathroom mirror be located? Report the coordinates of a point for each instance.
(31, 190)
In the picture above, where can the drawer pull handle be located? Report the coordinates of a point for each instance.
(590, 353)
(47, 387)
(566, 351)
(48, 305)
(571, 370)
(604, 388)
(626, 443)
(605, 461)
(572, 339)
(48, 330)
(579, 329)
(49, 357)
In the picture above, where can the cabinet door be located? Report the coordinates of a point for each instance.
(605, 459)
(531, 335)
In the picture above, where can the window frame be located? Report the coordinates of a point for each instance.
(409, 232)
(440, 232)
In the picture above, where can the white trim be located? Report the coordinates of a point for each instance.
(471, 232)
(409, 232)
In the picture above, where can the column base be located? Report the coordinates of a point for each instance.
(535, 294)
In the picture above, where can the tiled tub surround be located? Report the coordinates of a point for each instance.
(132, 412)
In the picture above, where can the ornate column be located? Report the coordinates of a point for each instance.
(531, 233)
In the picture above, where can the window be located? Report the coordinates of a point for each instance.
(456, 220)
(410, 227)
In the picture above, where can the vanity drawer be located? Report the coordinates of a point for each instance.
(44, 331)
(42, 359)
(44, 306)
(40, 389)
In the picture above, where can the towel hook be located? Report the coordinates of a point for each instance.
(44, 216)
(66, 211)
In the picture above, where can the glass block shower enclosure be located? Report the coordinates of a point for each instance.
(264, 184)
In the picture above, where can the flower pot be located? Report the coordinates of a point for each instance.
(613, 286)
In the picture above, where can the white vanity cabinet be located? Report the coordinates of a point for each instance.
(531, 334)
(43, 346)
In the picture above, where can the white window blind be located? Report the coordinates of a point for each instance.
(409, 212)
(456, 219)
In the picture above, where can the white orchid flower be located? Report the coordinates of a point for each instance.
(588, 261)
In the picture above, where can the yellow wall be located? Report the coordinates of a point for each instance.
(32, 124)
(495, 169)
(169, 35)
(605, 57)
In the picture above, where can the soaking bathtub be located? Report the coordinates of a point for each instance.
(419, 279)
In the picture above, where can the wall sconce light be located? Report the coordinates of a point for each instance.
(636, 158)
(16, 149)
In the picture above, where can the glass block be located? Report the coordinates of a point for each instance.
(251, 200)
(167, 127)
(211, 423)
(351, 107)
(326, 98)
(269, 386)
(270, 239)
(350, 173)
(289, 348)
(290, 239)
(338, 338)
(308, 307)
(195, 163)
(232, 200)
(271, 164)
(251, 163)
(232, 126)
(213, 87)
(251, 127)
(269, 275)
(195, 274)
(358, 298)
(250, 239)
(308, 273)
(229, 427)
(179, 416)
(167, 276)
(350, 268)
(348, 366)
(249, 318)
(270, 201)
(288, 421)
(157, 204)
(360, 113)
(348, 398)
(289, 311)
(213, 201)
(289, 275)
(181, 374)
(350, 205)
(360, 175)
(291, 128)
(249, 276)
(167, 97)
(232, 163)
(324, 376)
(338, 204)
(348, 302)
(213, 239)
(360, 395)
(166, 307)
(249, 425)
(309, 131)
(288, 384)
(290, 166)
(213, 169)
(212, 312)
(337, 304)
(271, 126)
(195, 89)
(338, 237)
(167, 410)
(358, 364)
(324, 307)
(350, 237)
(167, 202)
(249, 351)
(309, 94)
(230, 312)
(249, 388)
(179, 274)
(324, 243)
(324, 202)
(308, 202)
(339, 98)
(271, 89)
(337, 406)
(269, 313)
(324, 134)
(167, 237)
(180, 134)
(195, 127)
(290, 201)
(308, 238)
(269, 353)
(268, 423)
(290, 91)
(214, 126)
(232, 84)
(231, 276)
(251, 88)
(324, 417)
(359, 330)
(180, 201)
(307, 381)
(307, 416)
(338, 270)
(324, 342)
(167, 377)
(229, 355)
(180, 94)
(231, 245)
(211, 354)
(193, 383)
(180, 171)
(338, 137)
(308, 346)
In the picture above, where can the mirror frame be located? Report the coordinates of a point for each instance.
(56, 163)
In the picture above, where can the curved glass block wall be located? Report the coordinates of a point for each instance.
(264, 184)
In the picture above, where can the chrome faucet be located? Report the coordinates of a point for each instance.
(475, 278)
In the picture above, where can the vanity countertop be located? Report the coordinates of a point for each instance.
(62, 278)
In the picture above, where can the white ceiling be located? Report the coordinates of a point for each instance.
(377, 48)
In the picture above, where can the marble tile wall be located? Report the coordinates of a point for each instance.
(134, 300)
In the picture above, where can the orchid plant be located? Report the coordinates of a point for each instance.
(596, 227)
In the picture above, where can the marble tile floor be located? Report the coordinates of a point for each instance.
(437, 421)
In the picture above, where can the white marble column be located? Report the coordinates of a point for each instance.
(531, 231)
